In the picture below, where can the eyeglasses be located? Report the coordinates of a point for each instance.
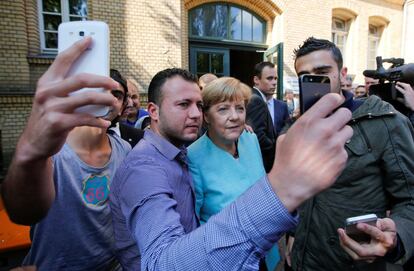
(120, 95)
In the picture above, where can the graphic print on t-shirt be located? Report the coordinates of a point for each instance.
(95, 189)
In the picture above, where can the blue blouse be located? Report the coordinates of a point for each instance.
(219, 178)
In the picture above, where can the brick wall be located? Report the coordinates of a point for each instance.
(14, 69)
(14, 111)
(146, 36)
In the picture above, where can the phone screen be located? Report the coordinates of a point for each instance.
(311, 89)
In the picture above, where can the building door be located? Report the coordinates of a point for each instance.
(225, 39)
(209, 60)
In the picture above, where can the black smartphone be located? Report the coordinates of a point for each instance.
(311, 89)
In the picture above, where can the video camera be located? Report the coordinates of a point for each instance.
(397, 72)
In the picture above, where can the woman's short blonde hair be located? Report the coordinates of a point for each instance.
(225, 89)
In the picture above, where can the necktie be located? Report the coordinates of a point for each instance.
(182, 157)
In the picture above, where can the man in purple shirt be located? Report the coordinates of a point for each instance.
(152, 197)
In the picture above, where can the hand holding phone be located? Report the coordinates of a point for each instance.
(383, 240)
(95, 60)
(52, 116)
(353, 232)
(311, 89)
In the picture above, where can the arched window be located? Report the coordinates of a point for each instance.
(343, 31)
(374, 36)
(376, 27)
(340, 30)
(226, 22)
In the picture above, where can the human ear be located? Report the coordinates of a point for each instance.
(153, 111)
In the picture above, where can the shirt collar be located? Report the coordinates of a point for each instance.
(162, 145)
(261, 94)
(350, 103)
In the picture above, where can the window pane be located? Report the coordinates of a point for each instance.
(51, 22)
(235, 23)
(78, 7)
(217, 63)
(339, 25)
(247, 26)
(51, 6)
(212, 20)
(209, 21)
(373, 30)
(203, 62)
(51, 40)
(197, 23)
(341, 40)
(257, 30)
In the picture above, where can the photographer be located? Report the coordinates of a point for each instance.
(408, 100)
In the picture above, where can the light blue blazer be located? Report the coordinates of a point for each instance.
(218, 177)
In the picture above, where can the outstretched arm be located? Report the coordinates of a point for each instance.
(28, 190)
(309, 159)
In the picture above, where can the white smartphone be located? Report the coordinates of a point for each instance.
(352, 231)
(94, 60)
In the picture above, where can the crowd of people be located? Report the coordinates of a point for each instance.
(214, 175)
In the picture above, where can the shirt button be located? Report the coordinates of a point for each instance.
(332, 241)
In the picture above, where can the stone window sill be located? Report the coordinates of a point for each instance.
(41, 59)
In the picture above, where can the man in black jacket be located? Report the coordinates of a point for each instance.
(258, 115)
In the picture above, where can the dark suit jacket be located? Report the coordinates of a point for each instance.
(130, 134)
(281, 114)
(258, 116)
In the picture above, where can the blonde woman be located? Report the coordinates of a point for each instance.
(226, 160)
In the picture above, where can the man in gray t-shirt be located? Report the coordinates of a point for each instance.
(59, 179)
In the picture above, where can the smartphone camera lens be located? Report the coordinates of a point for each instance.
(81, 33)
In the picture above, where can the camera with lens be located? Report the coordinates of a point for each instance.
(397, 72)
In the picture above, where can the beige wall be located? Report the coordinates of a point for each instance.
(313, 18)
(408, 32)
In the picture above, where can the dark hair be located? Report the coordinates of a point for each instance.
(312, 44)
(154, 89)
(117, 76)
(258, 68)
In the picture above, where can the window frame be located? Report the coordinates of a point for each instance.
(65, 17)
(373, 37)
(228, 37)
(340, 33)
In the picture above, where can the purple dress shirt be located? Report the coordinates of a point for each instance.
(154, 167)
(152, 202)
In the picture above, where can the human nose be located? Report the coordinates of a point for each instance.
(233, 114)
(194, 111)
(129, 101)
